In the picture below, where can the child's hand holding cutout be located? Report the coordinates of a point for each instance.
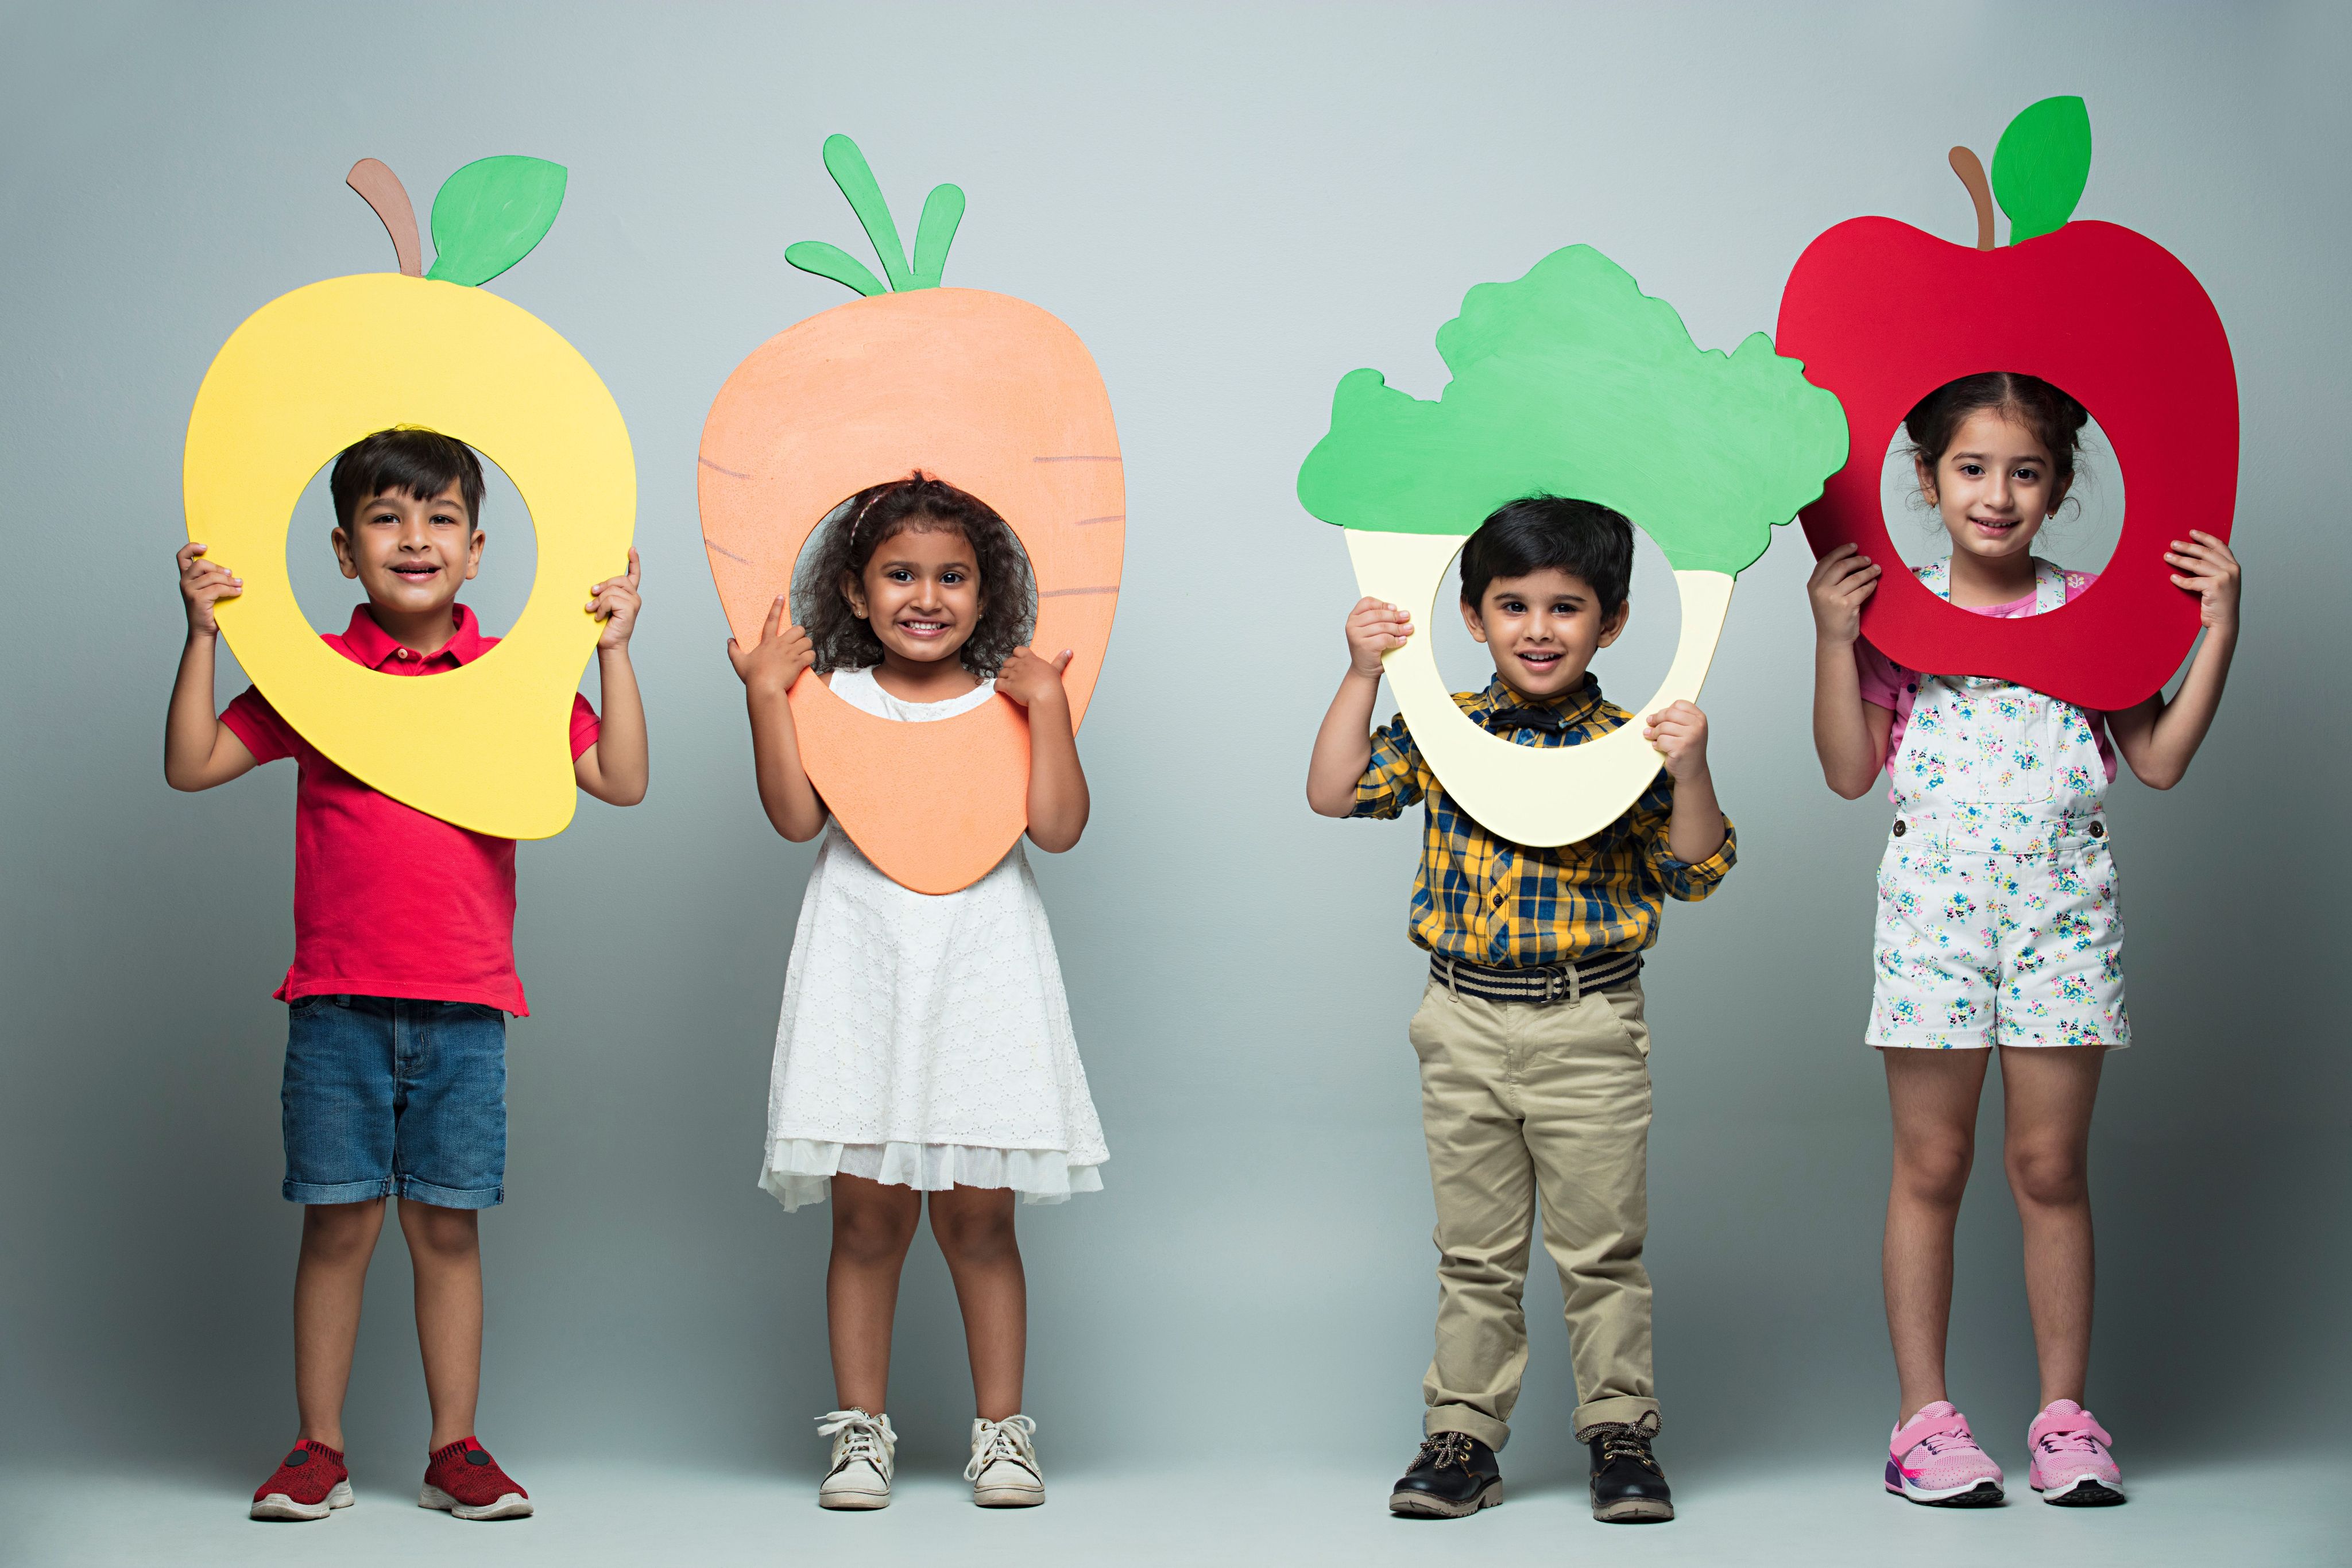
(1679, 732)
(203, 584)
(615, 602)
(2203, 565)
(1030, 680)
(783, 652)
(1374, 626)
(1841, 582)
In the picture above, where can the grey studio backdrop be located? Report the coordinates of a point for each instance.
(1232, 207)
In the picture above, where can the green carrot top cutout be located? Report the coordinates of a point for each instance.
(942, 211)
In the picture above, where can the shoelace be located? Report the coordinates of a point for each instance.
(1620, 1442)
(1011, 1439)
(864, 1437)
(2076, 1435)
(1447, 1449)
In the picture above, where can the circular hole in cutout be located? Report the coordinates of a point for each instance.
(2081, 538)
(496, 594)
(1630, 669)
(810, 594)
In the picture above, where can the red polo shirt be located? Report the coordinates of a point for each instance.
(389, 901)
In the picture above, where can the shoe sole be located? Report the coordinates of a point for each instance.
(1420, 1505)
(1008, 1497)
(2083, 1491)
(1978, 1494)
(856, 1501)
(1633, 1511)
(277, 1505)
(513, 1505)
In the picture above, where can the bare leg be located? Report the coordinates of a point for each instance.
(338, 1240)
(1934, 1096)
(974, 1227)
(445, 1250)
(872, 1227)
(2046, 1095)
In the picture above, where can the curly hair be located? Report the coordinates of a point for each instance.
(853, 531)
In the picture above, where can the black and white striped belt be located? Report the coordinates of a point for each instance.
(1538, 983)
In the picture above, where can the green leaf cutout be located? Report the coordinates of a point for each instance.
(1572, 382)
(942, 213)
(831, 261)
(2042, 165)
(490, 213)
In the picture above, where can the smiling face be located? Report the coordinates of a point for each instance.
(1994, 487)
(411, 555)
(920, 593)
(1543, 629)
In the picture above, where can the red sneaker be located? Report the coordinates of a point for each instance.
(465, 1481)
(310, 1483)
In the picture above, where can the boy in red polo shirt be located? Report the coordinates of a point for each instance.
(404, 961)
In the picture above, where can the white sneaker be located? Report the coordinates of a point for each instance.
(864, 1452)
(1004, 1471)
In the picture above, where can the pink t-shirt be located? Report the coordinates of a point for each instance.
(1896, 688)
(389, 901)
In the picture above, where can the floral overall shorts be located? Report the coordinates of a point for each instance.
(1998, 922)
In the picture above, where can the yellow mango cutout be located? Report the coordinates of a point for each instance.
(486, 746)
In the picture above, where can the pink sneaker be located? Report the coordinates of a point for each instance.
(1933, 1458)
(2070, 1465)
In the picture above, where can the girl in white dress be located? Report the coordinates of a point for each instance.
(925, 1045)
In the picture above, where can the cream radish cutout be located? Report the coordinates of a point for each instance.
(1517, 791)
(1569, 381)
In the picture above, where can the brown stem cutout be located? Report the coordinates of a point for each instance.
(1971, 173)
(384, 191)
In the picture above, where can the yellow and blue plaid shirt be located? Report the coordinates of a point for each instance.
(1488, 901)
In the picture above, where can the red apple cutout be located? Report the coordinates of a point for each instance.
(1882, 314)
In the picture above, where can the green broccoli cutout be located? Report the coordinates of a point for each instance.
(1574, 382)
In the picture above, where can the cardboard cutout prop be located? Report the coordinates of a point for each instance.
(1574, 382)
(487, 747)
(985, 392)
(1883, 314)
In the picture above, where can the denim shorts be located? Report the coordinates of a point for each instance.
(386, 1097)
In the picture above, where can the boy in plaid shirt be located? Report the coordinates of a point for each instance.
(1533, 1054)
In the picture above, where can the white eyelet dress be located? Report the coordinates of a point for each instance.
(1997, 919)
(926, 1040)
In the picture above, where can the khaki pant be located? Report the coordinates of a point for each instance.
(1518, 1099)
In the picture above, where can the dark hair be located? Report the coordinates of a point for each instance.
(406, 458)
(1537, 531)
(853, 531)
(2051, 416)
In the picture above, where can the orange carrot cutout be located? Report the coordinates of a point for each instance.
(991, 396)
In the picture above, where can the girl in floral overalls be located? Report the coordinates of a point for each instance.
(1998, 924)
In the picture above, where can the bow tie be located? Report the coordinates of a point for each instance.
(1507, 718)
